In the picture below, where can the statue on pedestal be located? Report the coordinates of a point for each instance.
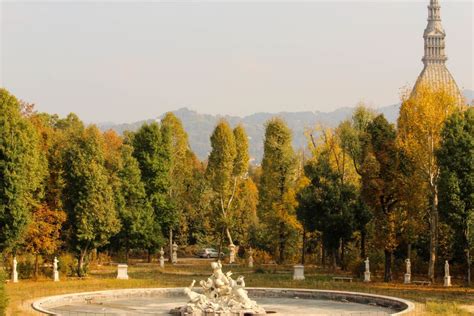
(250, 258)
(162, 259)
(447, 277)
(14, 272)
(174, 257)
(407, 278)
(55, 270)
(231, 253)
(367, 270)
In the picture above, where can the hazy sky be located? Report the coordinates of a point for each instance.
(124, 61)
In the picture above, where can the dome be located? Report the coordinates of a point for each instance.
(437, 76)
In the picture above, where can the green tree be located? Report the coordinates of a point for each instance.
(151, 148)
(139, 228)
(220, 174)
(327, 205)
(456, 160)
(183, 163)
(89, 201)
(21, 171)
(381, 185)
(276, 192)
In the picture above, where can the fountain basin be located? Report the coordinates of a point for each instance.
(278, 301)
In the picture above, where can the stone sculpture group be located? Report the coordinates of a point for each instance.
(220, 295)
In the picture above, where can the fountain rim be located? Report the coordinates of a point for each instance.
(37, 305)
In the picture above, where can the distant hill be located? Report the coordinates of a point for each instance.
(200, 126)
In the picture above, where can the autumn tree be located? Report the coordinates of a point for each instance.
(220, 174)
(21, 172)
(277, 200)
(456, 188)
(183, 165)
(44, 232)
(89, 202)
(421, 119)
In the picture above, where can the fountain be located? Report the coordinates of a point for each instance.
(222, 296)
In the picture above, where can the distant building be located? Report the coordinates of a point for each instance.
(435, 74)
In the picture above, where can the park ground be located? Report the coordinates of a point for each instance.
(429, 300)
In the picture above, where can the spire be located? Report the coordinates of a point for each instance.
(434, 36)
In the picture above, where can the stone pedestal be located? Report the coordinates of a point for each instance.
(56, 276)
(14, 272)
(407, 279)
(447, 281)
(298, 272)
(366, 276)
(122, 272)
(250, 262)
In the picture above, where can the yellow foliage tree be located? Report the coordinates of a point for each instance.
(421, 119)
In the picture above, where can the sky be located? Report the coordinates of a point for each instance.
(125, 61)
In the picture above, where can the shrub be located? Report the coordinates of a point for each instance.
(3, 294)
(67, 264)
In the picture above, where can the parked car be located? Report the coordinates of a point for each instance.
(208, 253)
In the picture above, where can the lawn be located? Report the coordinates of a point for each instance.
(430, 300)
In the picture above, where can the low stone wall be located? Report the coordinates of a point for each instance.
(400, 306)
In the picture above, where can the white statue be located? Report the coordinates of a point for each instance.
(250, 258)
(407, 278)
(232, 253)
(367, 270)
(162, 258)
(55, 270)
(14, 272)
(447, 277)
(408, 263)
(174, 256)
(220, 295)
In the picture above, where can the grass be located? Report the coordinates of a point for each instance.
(432, 300)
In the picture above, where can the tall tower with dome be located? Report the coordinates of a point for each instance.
(435, 74)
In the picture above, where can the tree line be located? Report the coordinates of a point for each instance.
(363, 188)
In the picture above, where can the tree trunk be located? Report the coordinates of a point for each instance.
(221, 241)
(433, 234)
(227, 231)
(388, 266)
(281, 255)
(468, 255)
(362, 244)
(148, 259)
(171, 245)
(409, 251)
(36, 265)
(333, 259)
(342, 255)
(127, 254)
(303, 251)
(80, 264)
(323, 255)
